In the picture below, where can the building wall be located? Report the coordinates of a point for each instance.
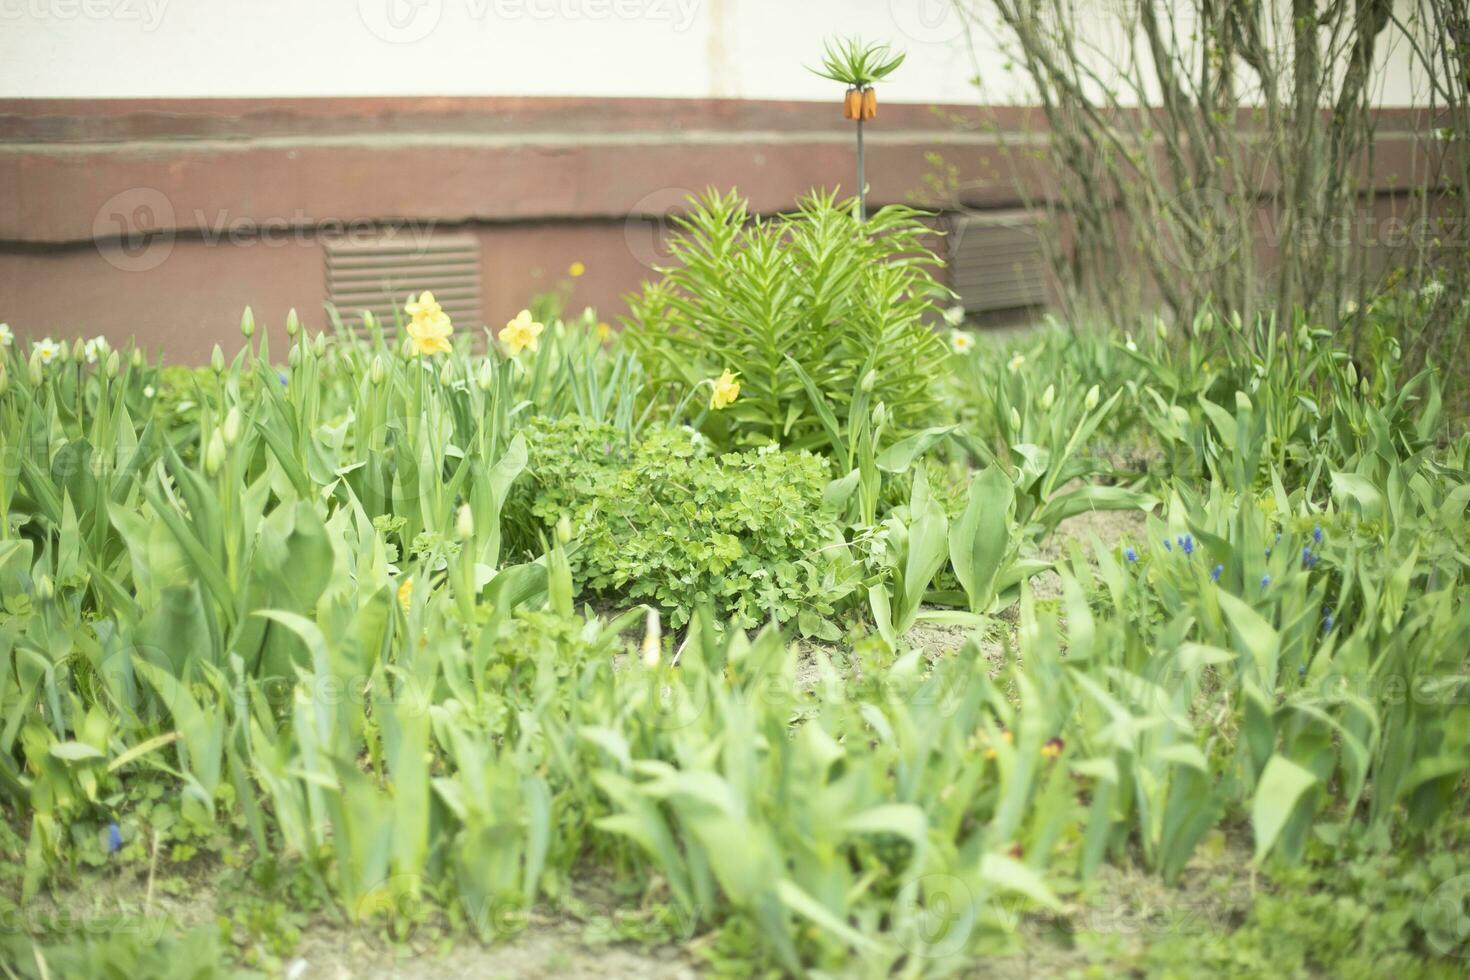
(165, 162)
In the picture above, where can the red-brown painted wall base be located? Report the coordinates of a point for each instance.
(162, 219)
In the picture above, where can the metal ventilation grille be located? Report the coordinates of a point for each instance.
(379, 275)
(996, 263)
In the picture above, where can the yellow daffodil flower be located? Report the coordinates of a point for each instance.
(430, 329)
(522, 333)
(604, 332)
(425, 306)
(726, 390)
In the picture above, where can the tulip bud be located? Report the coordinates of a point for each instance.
(406, 348)
(1352, 375)
(217, 360)
(869, 379)
(880, 415)
(485, 376)
(1090, 402)
(45, 589)
(652, 634)
(214, 454)
(564, 529)
(464, 522)
(247, 323)
(446, 373)
(1128, 342)
(378, 371)
(293, 356)
(137, 357)
(4, 379)
(78, 350)
(1161, 330)
(293, 323)
(231, 427)
(1048, 398)
(112, 365)
(1015, 420)
(35, 369)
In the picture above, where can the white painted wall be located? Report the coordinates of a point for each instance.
(752, 49)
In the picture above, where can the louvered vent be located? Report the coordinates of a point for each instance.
(996, 265)
(379, 275)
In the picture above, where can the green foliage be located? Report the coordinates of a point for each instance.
(815, 300)
(331, 619)
(858, 65)
(667, 522)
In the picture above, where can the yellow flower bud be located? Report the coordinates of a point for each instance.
(446, 373)
(137, 357)
(247, 323)
(217, 360)
(293, 323)
(45, 589)
(464, 522)
(1093, 394)
(485, 376)
(112, 365)
(378, 371)
(35, 370)
(564, 529)
(1048, 397)
(319, 345)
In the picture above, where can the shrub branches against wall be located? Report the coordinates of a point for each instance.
(1211, 151)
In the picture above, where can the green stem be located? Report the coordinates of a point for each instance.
(861, 179)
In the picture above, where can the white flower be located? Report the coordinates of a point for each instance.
(1432, 290)
(1014, 364)
(6, 337)
(47, 350)
(954, 316)
(1350, 308)
(95, 349)
(960, 341)
(1132, 347)
(148, 391)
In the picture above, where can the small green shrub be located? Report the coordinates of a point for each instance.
(667, 522)
(794, 306)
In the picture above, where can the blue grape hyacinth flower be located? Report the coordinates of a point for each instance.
(1130, 554)
(1216, 572)
(114, 838)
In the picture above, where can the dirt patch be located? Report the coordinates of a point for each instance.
(538, 951)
